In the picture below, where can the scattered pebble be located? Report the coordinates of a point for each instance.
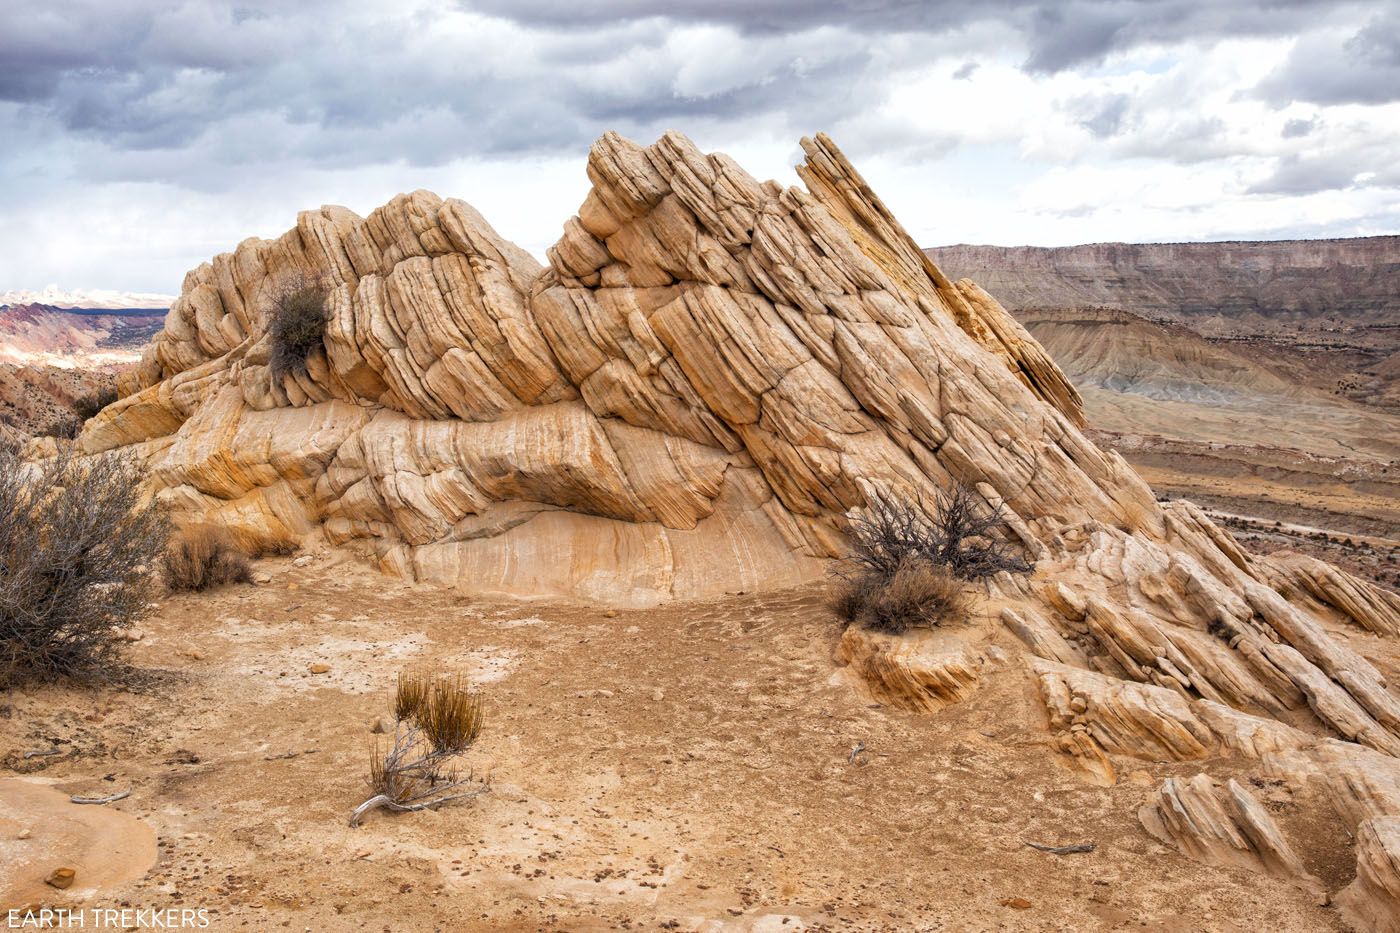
(1017, 903)
(61, 878)
(319, 668)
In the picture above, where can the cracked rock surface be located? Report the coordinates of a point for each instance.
(708, 375)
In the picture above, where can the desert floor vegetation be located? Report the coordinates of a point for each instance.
(437, 718)
(78, 543)
(204, 555)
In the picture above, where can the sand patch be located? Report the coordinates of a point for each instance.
(104, 846)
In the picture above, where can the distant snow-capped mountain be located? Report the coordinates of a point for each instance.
(55, 297)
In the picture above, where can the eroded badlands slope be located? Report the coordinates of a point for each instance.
(709, 374)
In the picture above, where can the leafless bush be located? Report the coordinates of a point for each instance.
(77, 540)
(65, 425)
(908, 562)
(956, 533)
(298, 324)
(436, 718)
(201, 556)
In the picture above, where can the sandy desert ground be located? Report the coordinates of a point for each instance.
(689, 767)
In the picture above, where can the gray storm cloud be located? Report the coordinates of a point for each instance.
(120, 97)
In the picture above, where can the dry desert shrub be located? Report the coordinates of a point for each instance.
(276, 548)
(77, 541)
(909, 562)
(87, 406)
(960, 532)
(298, 324)
(916, 594)
(436, 718)
(65, 426)
(204, 555)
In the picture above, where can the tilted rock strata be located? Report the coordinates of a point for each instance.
(1222, 825)
(922, 671)
(1372, 901)
(708, 375)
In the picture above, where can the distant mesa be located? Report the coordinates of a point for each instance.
(1296, 279)
(46, 335)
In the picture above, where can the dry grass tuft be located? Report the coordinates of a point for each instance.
(917, 594)
(438, 718)
(201, 556)
(411, 695)
(451, 719)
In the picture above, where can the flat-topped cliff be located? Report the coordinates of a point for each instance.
(1294, 278)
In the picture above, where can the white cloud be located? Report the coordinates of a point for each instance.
(142, 137)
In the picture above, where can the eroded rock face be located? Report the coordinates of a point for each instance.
(708, 375)
(1222, 825)
(1372, 901)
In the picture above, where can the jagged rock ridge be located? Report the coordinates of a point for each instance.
(710, 373)
(685, 401)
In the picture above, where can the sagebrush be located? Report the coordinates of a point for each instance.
(910, 561)
(205, 555)
(297, 325)
(86, 406)
(436, 718)
(78, 542)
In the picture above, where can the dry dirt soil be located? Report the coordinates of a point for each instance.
(689, 767)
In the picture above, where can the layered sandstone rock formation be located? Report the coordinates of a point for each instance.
(708, 375)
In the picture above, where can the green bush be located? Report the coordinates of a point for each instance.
(297, 327)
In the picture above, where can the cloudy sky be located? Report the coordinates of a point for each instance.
(139, 138)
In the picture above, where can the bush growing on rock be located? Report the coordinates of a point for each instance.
(77, 541)
(201, 556)
(298, 325)
(909, 563)
(89, 405)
